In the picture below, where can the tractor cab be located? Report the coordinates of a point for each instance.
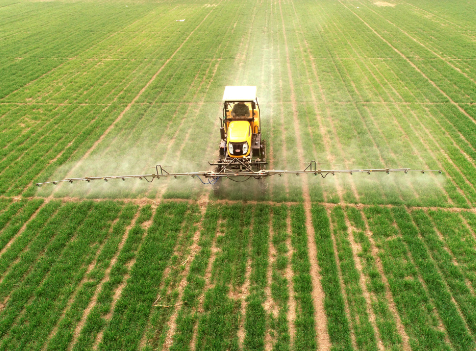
(240, 130)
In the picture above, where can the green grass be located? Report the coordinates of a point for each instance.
(110, 88)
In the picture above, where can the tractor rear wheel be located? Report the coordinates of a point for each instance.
(217, 183)
(263, 150)
(263, 185)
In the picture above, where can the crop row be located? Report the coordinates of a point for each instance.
(385, 142)
(66, 83)
(46, 264)
(34, 49)
(380, 267)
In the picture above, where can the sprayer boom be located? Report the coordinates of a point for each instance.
(210, 177)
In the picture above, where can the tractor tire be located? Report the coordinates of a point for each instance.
(216, 185)
(216, 188)
(263, 186)
(263, 150)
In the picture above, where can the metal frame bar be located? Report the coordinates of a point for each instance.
(310, 169)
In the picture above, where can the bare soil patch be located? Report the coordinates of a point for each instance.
(384, 4)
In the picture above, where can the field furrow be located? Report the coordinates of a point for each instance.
(332, 262)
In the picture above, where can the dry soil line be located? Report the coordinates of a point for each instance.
(463, 138)
(441, 237)
(195, 248)
(22, 229)
(356, 250)
(93, 301)
(454, 261)
(471, 230)
(435, 312)
(269, 304)
(168, 282)
(458, 309)
(449, 159)
(341, 281)
(208, 284)
(325, 137)
(401, 129)
(245, 291)
(128, 107)
(118, 291)
(432, 14)
(414, 66)
(317, 291)
(423, 45)
(289, 275)
(83, 281)
(388, 293)
(73, 58)
(153, 203)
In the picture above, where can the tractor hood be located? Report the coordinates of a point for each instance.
(238, 131)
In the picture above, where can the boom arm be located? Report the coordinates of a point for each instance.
(227, 173)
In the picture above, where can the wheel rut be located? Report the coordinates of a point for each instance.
(317, 291)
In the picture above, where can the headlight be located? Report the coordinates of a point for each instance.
(245, 148)
(230, 148)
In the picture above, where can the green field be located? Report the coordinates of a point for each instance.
(349, 262)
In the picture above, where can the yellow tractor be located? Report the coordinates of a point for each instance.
(242, 150)
(241, 144)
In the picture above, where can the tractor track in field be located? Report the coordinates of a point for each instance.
(22, 229)
(401, 128)
(463, 111)
(429, 150)
(188, 133)
(396, 120)
(169, 124)
(118, 290)
(375, 124)
(269, 305)
(214, 69)
(441, 326)
(128, 107)
(72, 58)
(448, 158)
(194, 248)
(317, 291)
(323, 132)
(460, 135)
(356, 250)
(92, 303)
(289, 275)
(388, 293)
(341, 281)
(447, 287)
(362, 119)
(72, 298)
(49, 163)
(154, 203)
(423, 45)
(208, 283)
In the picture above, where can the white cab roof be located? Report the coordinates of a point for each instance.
(239, 93)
